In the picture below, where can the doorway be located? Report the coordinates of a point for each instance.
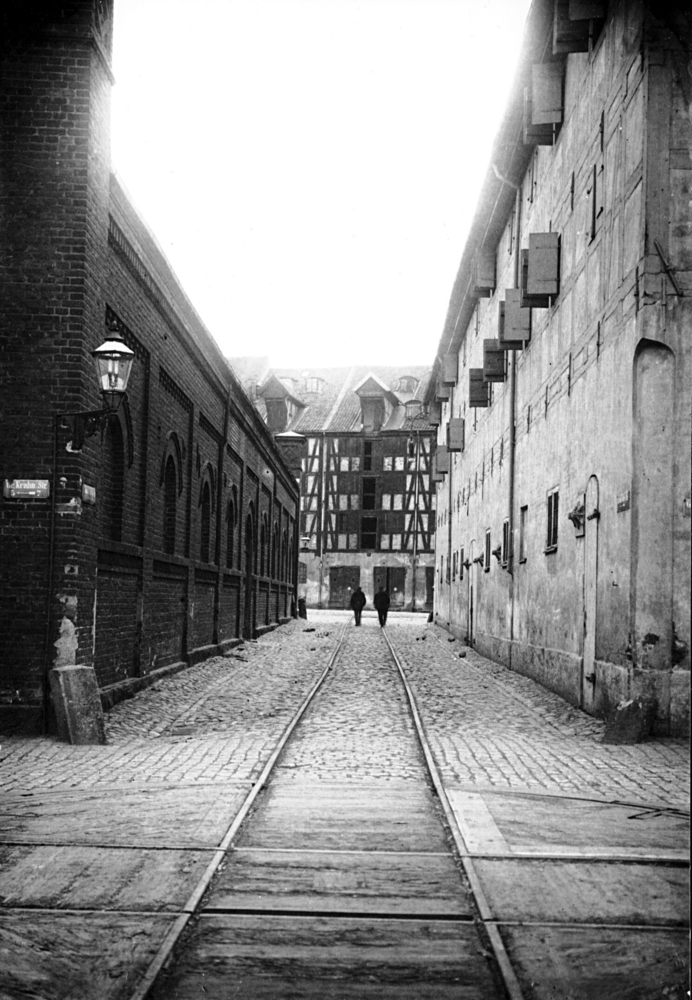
(393, 579)
(588, 672)
(343, 580)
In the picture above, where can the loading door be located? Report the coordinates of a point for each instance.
(343, 580)
(393, 579)
(429, 587)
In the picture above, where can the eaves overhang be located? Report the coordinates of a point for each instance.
(509, 161)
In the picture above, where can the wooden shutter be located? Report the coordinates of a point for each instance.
(455, 434)
(441, 459)
(517, 317)
(484, 272)
(504, 343)
(535, 135)
(441, 392)
(450, 367)
(479, 390)
(546, 93)
(434, 414)
(543, 273)
(494, 362)
(568, 35)
(585, 10)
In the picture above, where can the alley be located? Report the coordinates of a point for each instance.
(560, 831)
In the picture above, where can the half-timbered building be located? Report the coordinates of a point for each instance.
(367, 497)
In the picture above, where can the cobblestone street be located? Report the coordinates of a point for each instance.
(488, 727)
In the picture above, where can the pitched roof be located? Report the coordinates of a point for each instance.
(336, 408)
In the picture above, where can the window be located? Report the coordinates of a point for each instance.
(407, 383)
(461, 564)
(276, 555)
(368, 532)
(367, 456)
(505, 542)
(285, 568)
(523, 521)
(232, 521)
(486, 560)
(314, 384)
(455, 556)
(264, 532)
(387, 463)
(553, 510)
(205, 534)
(369, 493)
(170, 496)
(114, 481)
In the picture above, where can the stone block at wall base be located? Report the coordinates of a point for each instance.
(555, 669)
(630, 722)
(680, 703)
(77, 705)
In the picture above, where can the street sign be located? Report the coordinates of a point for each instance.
(26, 489)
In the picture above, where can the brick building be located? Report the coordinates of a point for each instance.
(175, 531)
(563, 375)
(367, 497)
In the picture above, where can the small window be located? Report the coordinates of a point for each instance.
(367, 456)
(553, 512)
(461, 564)
(369, 493)
(486, 560)
(314, 385)
(523, 523)
(505, 542)
(407, 383)
(368, 532)
(387, 463)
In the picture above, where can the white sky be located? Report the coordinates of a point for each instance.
(311, 167)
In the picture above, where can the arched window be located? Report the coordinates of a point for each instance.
(113, 477)
(289, 568)
(205, 524)
(232, 518)
(276, 555)
(284, 555)
(264, 535)
(170, 496)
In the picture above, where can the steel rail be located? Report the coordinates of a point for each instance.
(165, 950)
(509, 978)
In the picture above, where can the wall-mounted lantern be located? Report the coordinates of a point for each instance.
(113, 363)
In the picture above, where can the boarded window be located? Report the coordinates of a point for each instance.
(505, 542)
(547, 93)
(450, 365)
(504, 342)
(542, 268)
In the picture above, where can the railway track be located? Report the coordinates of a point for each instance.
(348, 868)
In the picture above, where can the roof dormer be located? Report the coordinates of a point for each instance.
(376, 402)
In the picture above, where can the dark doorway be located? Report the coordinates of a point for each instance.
(429, 587)
(343, 580)
(393, 579)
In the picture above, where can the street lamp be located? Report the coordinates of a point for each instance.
(113, 362)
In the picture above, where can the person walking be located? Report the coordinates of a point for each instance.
(381, 602)
(357, 603)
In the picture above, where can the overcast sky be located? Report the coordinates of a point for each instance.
(310, 167)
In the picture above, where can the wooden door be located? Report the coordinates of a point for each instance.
(343, 580)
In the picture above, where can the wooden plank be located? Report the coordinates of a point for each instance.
(375, 883)
(584, 892)
(68, 956)
(316, 957)
(98, 878)
(478, 828)
(172, 816)
(618, 964)
(340, 816)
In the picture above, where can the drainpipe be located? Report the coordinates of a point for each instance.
(513, 439)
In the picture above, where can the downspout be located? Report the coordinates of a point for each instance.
(513, 440)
